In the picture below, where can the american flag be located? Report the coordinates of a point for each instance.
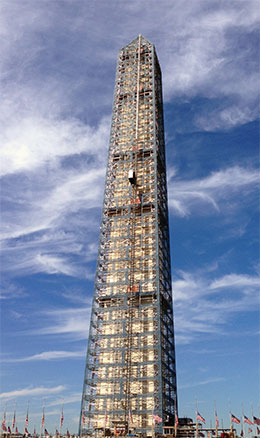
(4, 426)
(83, 418)
(61, 418)
(26, 431)
(234, 419)
(176, 419)
(43, 418)
(258, 430)
(200, 418)
(157, 418)
(68, 434)
(246, 420)
(4, 419)
(26, 419)
(46, 432)
(9, 429)
(13, 421)
(216, 416)
(16, 430)
(256, 420)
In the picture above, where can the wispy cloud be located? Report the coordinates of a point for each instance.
(37, 142)
(237, 281)
(71, 322)
(50, 355)
(32, 392)
(214, 190)
(45, 231)
(67, 399)
(11, 290)
(205, 58)
(202, 382)
(203, 305)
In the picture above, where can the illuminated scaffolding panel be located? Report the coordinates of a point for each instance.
(130, 368)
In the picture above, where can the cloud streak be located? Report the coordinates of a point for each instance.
(71, 322)
(50, 355)
(31, 392)
(202, 382)
(215, 190)
(38, 142)
(203, 306)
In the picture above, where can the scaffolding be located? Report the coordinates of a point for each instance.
(130, 368)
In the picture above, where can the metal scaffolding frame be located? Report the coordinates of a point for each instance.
(130, 371)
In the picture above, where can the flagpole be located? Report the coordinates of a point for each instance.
(14, 417)
(176, 417)
(243, 427)
(230, 415)
(27, 417)
(43, 419)
(216, 420)
(61, 416)
(253, 418)
(197, 424)
(4, 420)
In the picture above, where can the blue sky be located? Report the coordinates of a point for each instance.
(58, 62)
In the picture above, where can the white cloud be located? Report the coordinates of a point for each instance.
(72, 322)
(32, 392)
(33, 142)
(210, 52)
(203, 305)
(11, 290)
(50, 355)
(56, 265)
(76, 296)
(226, 118)
(53, 204)
(202, 382)
(215, 189)
(69, 398)
(235, 281)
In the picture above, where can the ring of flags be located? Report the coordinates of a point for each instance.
(156, 419)
(8, 430)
